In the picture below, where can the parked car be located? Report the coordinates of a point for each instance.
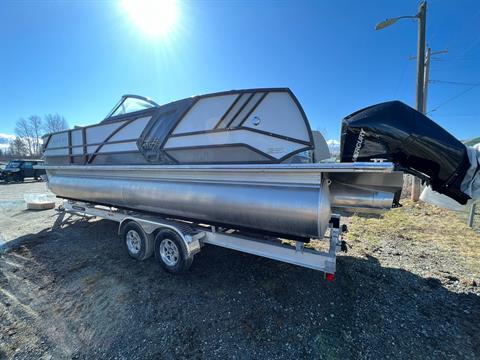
(18, 170)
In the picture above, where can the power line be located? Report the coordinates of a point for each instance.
(458, 115)
(454, 97)
(453, 82)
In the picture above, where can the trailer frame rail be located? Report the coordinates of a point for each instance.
(195, 235)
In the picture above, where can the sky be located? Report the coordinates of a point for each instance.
(77, 58)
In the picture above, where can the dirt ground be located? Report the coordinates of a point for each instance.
(71, 291)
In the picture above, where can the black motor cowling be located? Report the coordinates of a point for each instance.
(395, 132)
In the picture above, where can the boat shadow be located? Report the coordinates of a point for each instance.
(368, 311)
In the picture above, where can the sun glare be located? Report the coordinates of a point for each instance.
(154, 18)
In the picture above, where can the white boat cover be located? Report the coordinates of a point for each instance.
(471, 182)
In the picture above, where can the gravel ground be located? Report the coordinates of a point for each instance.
(71, 291)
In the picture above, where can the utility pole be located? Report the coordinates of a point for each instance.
(426, 79)
(422, 22)
(426, 82)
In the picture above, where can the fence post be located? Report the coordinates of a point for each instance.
(471, 215)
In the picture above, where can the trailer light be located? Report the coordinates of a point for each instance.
(329, 277)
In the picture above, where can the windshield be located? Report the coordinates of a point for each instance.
(13, 165)
(131, 103)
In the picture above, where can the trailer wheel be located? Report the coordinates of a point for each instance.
(139, 244)
(170, 251)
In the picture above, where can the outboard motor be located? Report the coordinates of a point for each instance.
(395, 132)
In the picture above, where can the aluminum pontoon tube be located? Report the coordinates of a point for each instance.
(291, 209)
(355, 198)
(364, 191)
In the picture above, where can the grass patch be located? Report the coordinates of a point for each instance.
(476, 219)
(420, 222)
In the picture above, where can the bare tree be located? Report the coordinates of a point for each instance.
(35, 123)
(53, 123)
(29, 131)
(18, 147)
(25, 135)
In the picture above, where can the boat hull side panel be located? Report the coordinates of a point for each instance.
(269, 122)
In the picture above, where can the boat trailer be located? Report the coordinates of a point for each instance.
(176, 242)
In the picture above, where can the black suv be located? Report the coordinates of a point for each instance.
(18, 170)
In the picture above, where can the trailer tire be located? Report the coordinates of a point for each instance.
(171, 252)
(138, 243)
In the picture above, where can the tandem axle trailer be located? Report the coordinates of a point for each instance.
(176, 242)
